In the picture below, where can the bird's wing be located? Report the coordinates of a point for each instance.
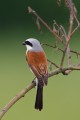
(38, 63)
(40, 74)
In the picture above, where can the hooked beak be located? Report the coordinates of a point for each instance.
(23, 43)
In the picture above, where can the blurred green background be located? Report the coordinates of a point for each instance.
(62, 95)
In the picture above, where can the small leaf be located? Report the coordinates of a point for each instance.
(29, 9)
(59, 2)
(75, 10)
(38, 24)
(54, 28)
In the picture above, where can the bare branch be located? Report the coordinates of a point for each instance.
(45, 24)
(72, 51)
(64, 32)
(67, 48)
(75, 29)
(53, 47)
(62, 60)
(22, 93)
(69, 34)
(59, 30)
(68, 4)
(71, 6)
(77, 53)
(16, 98)
(63, 70)
(53, 63)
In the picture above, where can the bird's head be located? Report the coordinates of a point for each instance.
(32, 45)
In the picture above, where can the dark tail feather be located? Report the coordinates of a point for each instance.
(39, 98)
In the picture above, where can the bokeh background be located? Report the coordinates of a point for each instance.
(62, 95)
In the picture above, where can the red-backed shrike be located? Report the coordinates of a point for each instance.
(37, 62)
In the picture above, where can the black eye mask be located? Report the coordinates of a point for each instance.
(28, 43)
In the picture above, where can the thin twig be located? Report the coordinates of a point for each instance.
(72, 51)
(69, 34)
(53, 63)
(53, 47)
(75, 30)
(67, 48)
(45, 24)
(64, 31)
(58, 30)
(62, 59)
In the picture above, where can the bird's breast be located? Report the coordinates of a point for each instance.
(36, 58)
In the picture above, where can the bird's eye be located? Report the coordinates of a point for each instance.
(29, 43)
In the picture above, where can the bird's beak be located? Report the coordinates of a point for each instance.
(23, 43)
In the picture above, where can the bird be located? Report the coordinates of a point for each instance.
(37, 61)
